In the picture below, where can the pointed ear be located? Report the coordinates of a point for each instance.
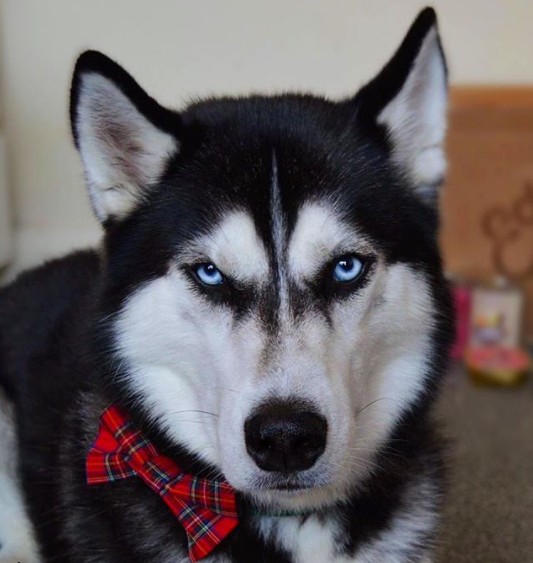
(125, 138)
(407, 102)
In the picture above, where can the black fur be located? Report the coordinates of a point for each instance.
(93, 61)
(57, 358)
(373, 97)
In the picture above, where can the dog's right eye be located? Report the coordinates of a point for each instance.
(208, 274)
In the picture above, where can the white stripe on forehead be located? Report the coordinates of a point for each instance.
(234, 247)
(320, 235)
(277, 220)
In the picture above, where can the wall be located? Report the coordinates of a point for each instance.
(179, 49)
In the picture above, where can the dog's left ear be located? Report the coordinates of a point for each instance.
(407, 101)
(125, 138)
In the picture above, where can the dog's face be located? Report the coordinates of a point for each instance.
(273, 286)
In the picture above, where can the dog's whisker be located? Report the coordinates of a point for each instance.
(373, 403)
(196, 411)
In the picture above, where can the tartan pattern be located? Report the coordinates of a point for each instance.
(205, 508)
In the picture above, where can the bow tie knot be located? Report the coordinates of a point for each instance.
(206, 508)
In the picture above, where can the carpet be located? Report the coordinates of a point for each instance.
(489, 512)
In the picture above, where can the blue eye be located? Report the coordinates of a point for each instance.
(209, 274)
(347, 269)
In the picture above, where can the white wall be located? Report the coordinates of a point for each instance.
(178, 49)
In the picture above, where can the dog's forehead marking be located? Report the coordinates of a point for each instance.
(319, 235)
(278, 226)
(235, 247)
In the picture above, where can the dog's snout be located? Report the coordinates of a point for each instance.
(284, 437)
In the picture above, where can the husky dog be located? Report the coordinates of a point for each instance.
(268, 306)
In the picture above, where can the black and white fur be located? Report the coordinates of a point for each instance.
(272, 190)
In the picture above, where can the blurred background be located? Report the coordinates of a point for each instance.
(179, 50)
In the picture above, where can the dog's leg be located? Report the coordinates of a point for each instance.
(17, 542)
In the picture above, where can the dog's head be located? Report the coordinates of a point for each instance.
(272, 297)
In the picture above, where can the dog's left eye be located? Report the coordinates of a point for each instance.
(209, 274)
(347, 269)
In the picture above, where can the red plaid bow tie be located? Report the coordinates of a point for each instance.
(205, 508)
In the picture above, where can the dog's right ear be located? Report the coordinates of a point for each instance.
(125, 138)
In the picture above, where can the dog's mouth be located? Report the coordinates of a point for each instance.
(290, 487)
(286, 484)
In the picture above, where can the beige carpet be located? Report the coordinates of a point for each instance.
(489, 515)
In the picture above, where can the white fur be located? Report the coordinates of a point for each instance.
(407, 529)
(185, 355)
(123, 153)
(235, 248)
(278, 234)
(313, 541)
(17, 542)
(319, 236)
(416, 118)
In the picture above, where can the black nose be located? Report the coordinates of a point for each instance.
(285, 436)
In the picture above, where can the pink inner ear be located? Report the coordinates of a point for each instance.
(124, 153)
(124, 149)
